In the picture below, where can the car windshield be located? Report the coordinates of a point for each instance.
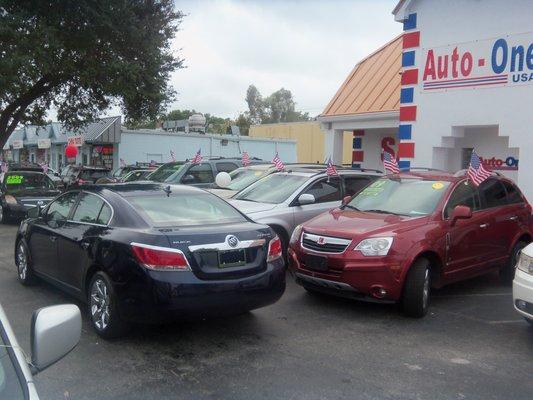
(244, 177)
(274, 188)
(18, 181)
(135, 175)
(410, 197)
(10, 385)
(185, 209)
(164, 171)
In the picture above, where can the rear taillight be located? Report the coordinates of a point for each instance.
(160, 258)
(275, 250)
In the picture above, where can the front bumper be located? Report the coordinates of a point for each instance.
(377, 279)
(167, 296)
(523, 293)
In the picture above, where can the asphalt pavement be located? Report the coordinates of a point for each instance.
(472, 345)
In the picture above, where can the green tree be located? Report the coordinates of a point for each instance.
(243, 122)
(81, 56)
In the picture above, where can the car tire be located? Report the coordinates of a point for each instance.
(23, 262)
(508, 271)
(417, 287)
(3, 216)
(103, 309)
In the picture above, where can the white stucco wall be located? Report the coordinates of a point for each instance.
(474, 26)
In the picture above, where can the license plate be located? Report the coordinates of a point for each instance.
(316, 263)
(232, 258)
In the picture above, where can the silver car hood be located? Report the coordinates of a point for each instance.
(224, 193)
(250, 207)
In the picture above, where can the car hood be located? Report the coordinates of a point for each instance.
(350, 223)
(250, 207)
(224, 193)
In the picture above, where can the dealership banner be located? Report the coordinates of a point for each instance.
(75, 141)
(17, 144)
(500, 61)
(43, 143)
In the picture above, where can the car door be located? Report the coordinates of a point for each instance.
(42, 240)
(467, 248)
(75, 238)
(200, 175)
(327, 193)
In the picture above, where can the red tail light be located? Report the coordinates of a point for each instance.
(275, 250)
(160, 258)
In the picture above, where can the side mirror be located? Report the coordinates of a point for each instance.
(187, 179)
(34, 212)
(346, 200)
(461, 212)
(55, 331)
(306, 198)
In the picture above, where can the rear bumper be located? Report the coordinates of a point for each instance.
(523, 294)
(170, 296)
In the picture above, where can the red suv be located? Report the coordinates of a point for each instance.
(406, 233)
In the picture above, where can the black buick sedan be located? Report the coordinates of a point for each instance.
(149, 252)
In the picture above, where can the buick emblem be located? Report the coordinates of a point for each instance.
(321, 240)
(233, 241)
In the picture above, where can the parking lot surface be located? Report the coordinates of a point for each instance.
(472, 345)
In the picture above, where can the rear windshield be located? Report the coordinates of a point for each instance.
(274, 188)
(244, 177)
(410, 197)
(16, 181)
(164, 171)
(185, 209)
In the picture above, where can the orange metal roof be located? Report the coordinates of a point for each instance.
(373, 85)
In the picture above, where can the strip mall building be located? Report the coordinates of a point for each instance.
(459, 78)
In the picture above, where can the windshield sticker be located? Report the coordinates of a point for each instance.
(437, 185)
(257, 173)
(14, 179)
(371, 191)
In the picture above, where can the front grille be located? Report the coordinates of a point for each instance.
(324, 244)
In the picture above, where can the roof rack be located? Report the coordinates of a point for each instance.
(463, 172)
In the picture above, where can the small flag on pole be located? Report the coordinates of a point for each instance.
(245, 159)
(122, 163)
(278, 163)
(390, 163)
(476, 171)
(172, 156)
(197, 157)
(330, 168)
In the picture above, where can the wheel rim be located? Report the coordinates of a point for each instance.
(1, 214)
(22, 262)
(100, 304)
(425, 292)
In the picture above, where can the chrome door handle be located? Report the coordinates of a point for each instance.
(52, 238)
(483, 226)
(513, 218)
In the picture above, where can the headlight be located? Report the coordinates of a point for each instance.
(375, 246)
(10, 199)
(525, 263)
(296, 234)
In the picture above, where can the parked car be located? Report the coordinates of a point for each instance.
(148, 252)
(27, 166)
(285, 199)
(407, 233)
(55, 331)
(203, 174)
(244, 176)
(121, 172)
(77, 175)
(136, 175)
(523, 284)
(22, 190)
(162, 172)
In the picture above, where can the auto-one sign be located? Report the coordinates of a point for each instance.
(502, 61)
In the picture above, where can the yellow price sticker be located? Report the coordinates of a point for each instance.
(437, 185)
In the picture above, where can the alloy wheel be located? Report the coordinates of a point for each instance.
(1, 214)
(425, 292)
(100, 304)
(22, 262)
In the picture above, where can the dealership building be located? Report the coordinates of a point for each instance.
(459, 78)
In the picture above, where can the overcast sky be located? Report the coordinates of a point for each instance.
(308, 47)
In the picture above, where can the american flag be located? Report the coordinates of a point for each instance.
(278, 163)
(476, 171)
(330, 168)
(245, 159)
(122, 163)
(172, 156)
(197, 157)
(390, 163)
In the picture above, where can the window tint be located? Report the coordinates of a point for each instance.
(105, 215)
(353, 184)
(202, 173)
(493, 193)
(60, 209)
(463, 195)
(325, 191)
(88, 208)
(226, 166)
(273, 189)
(513, 194)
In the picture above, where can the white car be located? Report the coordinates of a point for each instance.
(55, 331)
(523, 284)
